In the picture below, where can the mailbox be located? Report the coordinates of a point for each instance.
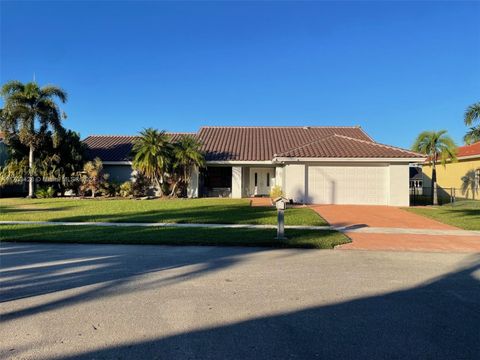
(281, 205)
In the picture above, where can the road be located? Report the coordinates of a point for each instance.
(158, 302)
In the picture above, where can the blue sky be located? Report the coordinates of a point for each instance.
(395, 68)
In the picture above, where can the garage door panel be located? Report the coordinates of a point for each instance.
(347, 184)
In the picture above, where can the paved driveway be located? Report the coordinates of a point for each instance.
(362, 216)
(145, 302)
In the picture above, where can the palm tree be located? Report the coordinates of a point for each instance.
(438, 147)
(30, 111)
(472, 114)
(187, 153)
(470, 182)
(152, 155)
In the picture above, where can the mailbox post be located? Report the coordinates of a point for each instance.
(281, 205)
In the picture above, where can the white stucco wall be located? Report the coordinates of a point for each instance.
(294, 186)
(279, 176)
(236, 182)
(399, 194)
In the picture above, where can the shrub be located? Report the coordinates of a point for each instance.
(126, 189)
(45, 192)
(111, 188)
(140, 185)
(276, 192)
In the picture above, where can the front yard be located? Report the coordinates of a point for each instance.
(213, 211)
(464, 214)
(171, 236)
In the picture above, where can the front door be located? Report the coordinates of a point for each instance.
(261, 180)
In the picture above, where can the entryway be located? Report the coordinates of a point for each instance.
(261, 181)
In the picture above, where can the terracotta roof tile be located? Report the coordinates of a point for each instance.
(115, 147)
(262, 143)
(339, 146)
(469, 150)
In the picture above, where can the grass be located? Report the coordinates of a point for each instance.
(171, 236)
(464, 214)
(221, 211)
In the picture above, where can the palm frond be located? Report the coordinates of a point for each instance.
(472, 114)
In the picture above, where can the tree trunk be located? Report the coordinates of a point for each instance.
(31, 183)
(434, 186)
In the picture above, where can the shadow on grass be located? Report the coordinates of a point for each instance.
(297, 238)
(177, 211)
(437, 320)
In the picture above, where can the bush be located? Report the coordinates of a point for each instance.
(276, 192)
(110, 188)
(126, 189)
(140, 185)
(45, 192)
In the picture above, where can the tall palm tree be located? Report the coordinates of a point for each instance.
(472, 115)
(187, 153)
(152, 155)
(439, 147)
(30, 111)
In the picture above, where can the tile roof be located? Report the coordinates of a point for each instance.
(224, 143)
(262, 143)
(469, 150)
(115, 147)
(339, 146)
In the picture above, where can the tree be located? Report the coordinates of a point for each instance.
(30, 111)
(152, 154)
(94, 179)
(470, 182)
(472, 115)
(187, 153)
(438, 147)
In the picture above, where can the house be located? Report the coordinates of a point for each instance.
(324, 165)
(416, 179)
(450, 176)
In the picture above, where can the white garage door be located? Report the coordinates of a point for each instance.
(365, 185)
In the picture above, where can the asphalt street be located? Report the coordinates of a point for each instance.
(68, 301)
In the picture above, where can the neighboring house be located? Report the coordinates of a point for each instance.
(324, 165)
(450, 176)
(416, 179)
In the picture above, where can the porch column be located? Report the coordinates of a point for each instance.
(236, 182)
(192, 189)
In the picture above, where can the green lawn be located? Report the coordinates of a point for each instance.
(171, 236)
(464, 214)
(221, 211)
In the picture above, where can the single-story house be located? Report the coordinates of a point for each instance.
(322, 165)
(450, 176)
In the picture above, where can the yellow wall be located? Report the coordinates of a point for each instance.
(450, 175)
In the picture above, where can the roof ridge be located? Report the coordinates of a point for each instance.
(110, 135)
(380, 144)
(284, 126)
(305, 145)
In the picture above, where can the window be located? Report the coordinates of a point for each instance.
(268, 179)
(256, 179)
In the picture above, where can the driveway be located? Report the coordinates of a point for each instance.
(358, 217)
(68, 301)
